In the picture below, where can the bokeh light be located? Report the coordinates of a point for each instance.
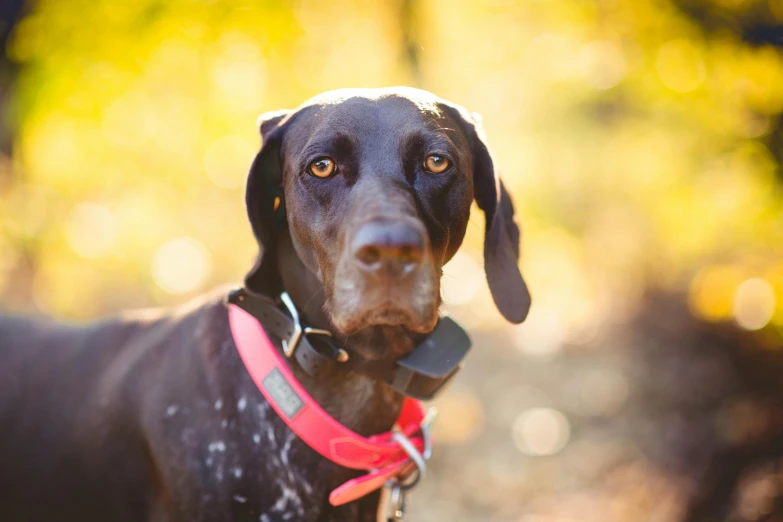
(180, 265)
(541, 431)
(754, 304)
(91, 230)
(711, 294)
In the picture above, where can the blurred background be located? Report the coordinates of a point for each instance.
(642, 142)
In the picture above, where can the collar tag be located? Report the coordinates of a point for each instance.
(282, 393)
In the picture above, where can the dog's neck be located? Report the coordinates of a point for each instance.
(361, 403)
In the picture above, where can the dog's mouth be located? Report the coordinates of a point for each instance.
(419, 319)
(392, 315)
(389, 316)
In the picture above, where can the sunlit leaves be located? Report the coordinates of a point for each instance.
(632, 141)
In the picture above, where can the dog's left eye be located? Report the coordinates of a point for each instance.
(321, 168)
(436, 164)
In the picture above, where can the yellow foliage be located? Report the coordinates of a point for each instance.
(634, 145)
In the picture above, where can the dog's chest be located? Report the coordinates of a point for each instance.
(245, 462)
(230, 457)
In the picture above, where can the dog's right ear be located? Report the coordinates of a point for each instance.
(264, 199)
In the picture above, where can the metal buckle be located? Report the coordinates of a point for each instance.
(289, 345)
(400, 487)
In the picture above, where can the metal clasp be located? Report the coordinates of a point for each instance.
(396, 504)
(400, 487)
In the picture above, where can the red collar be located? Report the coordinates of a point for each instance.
(391, 455)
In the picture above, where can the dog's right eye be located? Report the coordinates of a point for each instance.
(321, 168)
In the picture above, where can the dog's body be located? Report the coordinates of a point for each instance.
(153, 417)
(140, 419)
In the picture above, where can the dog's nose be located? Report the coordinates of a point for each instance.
(388, 247)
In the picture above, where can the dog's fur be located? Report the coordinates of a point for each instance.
(152, 416)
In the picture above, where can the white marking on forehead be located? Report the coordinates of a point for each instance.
(237, 471)
(219, 404)
(172, 410)
(242, 403)
(256, 438)
(240, 499)
(217, 445)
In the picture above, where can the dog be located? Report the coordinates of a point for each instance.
(357, 199)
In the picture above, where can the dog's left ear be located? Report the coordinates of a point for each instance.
(264, 199)
(501, 240)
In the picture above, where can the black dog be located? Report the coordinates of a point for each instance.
(357, 199)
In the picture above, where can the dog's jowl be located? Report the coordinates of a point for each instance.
(357, 199)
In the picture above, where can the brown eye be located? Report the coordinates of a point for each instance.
(436, 164)
(321, 168)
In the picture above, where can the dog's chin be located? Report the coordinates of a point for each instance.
(390, 316)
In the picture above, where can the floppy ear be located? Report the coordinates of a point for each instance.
(501, 239)
(264, 200)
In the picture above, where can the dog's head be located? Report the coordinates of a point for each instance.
(375, 187)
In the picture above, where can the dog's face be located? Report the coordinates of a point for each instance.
(378, 194)
(377, 187)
